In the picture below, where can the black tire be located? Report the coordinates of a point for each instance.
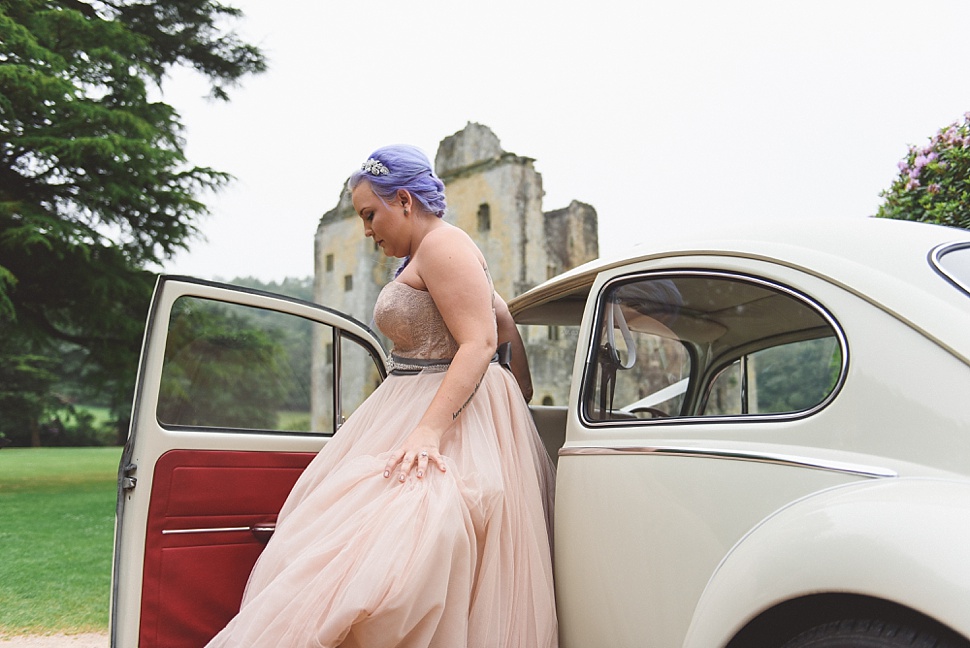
(866, 633)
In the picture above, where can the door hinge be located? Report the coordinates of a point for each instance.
(127, 480)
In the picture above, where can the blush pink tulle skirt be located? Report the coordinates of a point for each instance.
(460, 558)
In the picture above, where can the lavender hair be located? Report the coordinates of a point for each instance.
(409, 169)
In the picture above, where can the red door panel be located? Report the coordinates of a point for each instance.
(200, 547)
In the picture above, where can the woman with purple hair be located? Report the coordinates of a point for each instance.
(426, 520)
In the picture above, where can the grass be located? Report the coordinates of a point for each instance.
(56, 529)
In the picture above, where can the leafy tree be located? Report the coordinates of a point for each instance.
(293, 333)
(299, 287)
(933, 185)
(94, 182)
(26, 398)
(221, 368)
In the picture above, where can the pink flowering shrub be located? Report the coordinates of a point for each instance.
(933, 185)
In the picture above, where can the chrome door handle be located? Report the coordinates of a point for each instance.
(263, 532)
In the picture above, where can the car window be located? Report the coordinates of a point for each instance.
(954, 262)
(708, 345)
(238, 367)
(359, 376)
(785, 378)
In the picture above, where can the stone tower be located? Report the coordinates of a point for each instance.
(496, 197)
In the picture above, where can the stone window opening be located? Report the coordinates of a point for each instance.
(484, 217)
(329, 263)
(348, 283)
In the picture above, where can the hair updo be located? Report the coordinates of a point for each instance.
(408, 168)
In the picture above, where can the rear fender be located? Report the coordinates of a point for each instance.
(901, 540)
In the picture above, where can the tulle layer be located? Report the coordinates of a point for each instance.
(460, 558)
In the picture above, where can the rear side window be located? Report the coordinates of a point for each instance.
(709, 345)
(238, 367)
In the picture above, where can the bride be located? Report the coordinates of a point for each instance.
(426, 520)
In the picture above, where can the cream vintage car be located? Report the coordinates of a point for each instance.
(766, 444)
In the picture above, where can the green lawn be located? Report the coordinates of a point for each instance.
(56, 530)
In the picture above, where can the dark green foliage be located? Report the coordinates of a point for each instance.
(933, 185)
(797, 376)
(26, 401)
(298, 287)
(292, 333)
(94, 183)
(220, 369)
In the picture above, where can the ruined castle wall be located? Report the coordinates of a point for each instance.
(500, 206)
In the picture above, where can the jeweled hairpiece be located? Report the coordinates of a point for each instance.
(374, 167)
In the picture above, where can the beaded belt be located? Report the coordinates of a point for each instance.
(410, 366)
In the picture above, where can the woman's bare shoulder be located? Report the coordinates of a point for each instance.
(446, 241)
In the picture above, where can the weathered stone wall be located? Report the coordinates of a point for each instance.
(572, 235)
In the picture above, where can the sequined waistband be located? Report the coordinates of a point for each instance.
(406, 366)
(409, 366)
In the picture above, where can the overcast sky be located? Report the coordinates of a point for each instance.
(659, 114)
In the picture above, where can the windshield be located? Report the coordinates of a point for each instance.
(954, 262)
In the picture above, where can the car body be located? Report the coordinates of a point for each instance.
(768, 431)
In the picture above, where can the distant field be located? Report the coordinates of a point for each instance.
(56, 529)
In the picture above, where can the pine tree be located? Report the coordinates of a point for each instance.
(94, 182)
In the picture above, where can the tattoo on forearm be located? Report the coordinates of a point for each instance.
(465, 404)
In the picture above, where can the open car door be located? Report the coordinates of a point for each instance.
(237, 391)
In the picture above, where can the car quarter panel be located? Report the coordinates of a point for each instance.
(901, 540)
(640, 534)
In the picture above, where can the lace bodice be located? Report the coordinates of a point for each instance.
(411, 320)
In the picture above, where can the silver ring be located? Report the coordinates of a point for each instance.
(424, 453)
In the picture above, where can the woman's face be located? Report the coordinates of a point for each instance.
(384, 222)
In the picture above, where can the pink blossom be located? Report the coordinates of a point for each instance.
(912, 184)
(934, 188)
(921, 161)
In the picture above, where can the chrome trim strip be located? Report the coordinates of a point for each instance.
(735, 455)
(212, 530)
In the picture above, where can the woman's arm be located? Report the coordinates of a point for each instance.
(453, 271)
(509, 332)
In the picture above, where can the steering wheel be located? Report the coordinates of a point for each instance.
(653, 411)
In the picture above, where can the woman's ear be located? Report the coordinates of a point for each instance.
(404, 199)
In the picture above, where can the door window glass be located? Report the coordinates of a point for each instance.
(239, 367)
(359, 375)
(704, 345)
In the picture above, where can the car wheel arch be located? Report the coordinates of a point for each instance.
(844, 544)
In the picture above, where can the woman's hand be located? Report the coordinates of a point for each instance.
(419, 448)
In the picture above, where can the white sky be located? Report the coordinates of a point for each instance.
(659, 114)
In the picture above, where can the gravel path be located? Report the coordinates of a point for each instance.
(95, 640)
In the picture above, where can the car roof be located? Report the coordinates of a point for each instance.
(886, 262)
